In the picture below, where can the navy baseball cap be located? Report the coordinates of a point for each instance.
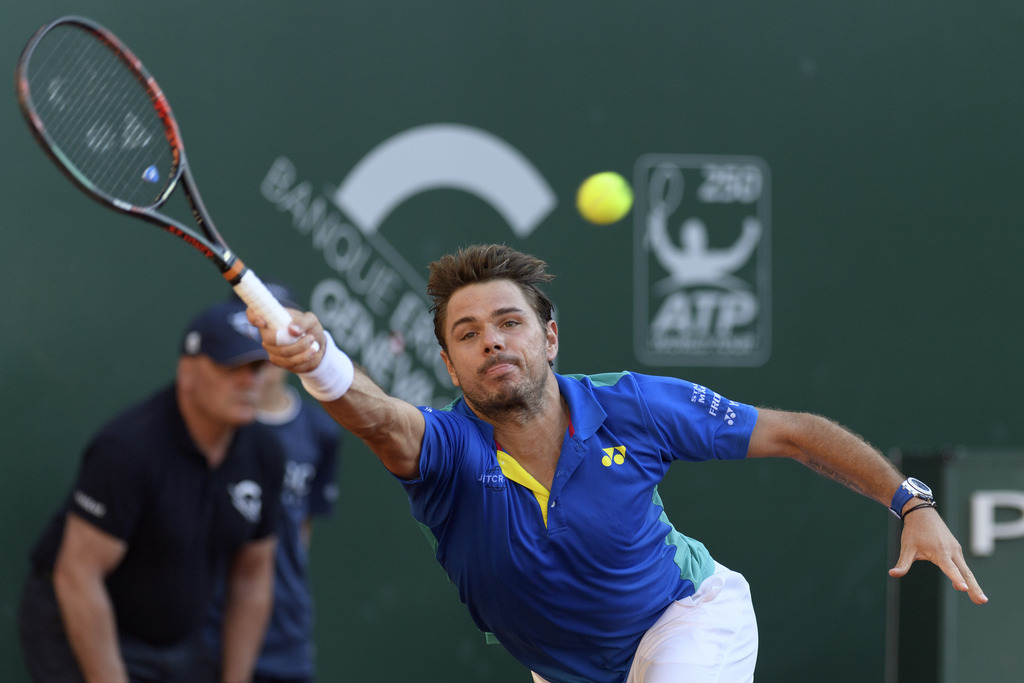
(223, 333)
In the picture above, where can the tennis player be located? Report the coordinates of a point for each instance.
(541, 490)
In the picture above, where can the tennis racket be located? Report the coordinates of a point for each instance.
(104, 121)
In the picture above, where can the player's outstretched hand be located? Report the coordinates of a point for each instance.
(297, 349)
(926, 537)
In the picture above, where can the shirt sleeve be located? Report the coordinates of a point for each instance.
(447, 442)
(111, 488)
(694, 422)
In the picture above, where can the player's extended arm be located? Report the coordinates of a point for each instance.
(247, 607)
(837, 453)
(390, 427)
(87, 555)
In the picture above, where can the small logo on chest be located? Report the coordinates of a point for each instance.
(494, 479)
(616, 455)
(246, 496)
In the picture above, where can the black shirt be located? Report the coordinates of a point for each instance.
(143, 480)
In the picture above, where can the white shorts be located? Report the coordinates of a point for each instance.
(709, 637)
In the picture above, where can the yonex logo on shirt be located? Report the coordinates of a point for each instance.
(700, 397)
(616, 455)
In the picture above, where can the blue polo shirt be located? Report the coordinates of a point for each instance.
(143, 480)
(569, 580)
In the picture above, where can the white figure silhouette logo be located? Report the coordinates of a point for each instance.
(692, 262)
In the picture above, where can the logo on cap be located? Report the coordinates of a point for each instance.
(193, 342)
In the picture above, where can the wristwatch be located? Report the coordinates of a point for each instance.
(910, 488)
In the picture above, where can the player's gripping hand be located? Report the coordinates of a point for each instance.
(926, 537)
(299, 348)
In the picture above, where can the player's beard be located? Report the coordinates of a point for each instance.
(515, 401)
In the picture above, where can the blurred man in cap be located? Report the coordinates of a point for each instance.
(177, 491)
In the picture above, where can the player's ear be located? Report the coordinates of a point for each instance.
(450, 367)
(552, 333)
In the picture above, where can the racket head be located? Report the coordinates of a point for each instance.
(99, 114)
(104, 121)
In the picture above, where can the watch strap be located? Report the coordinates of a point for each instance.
(905, 492)
(900, 499)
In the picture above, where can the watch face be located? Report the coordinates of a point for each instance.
(918, 487)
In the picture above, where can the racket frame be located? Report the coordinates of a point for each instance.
(210, 243)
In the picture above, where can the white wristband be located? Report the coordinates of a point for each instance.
(332, 378)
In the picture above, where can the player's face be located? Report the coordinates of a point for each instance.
(498, 350)
(220, 394)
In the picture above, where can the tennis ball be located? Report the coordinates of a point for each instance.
(604, 198)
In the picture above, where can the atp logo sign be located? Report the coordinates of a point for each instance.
(702, 269)
(376, 306)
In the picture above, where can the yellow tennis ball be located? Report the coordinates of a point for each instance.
(604, 198)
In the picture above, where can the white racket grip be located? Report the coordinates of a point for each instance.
(255, 294)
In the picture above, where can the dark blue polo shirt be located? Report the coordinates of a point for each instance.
(143, 480)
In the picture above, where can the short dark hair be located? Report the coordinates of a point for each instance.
(483, 263)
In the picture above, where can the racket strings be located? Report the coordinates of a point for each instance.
(100, 117)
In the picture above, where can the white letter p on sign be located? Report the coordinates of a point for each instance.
(984, 528)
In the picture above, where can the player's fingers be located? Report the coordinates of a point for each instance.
(304, 323)
(963, 580)
(286, 336)
(899, 571)
(977, 595)
(312, 330)
(902, 566)
(297, 347)
(255, 319)
(300, 346)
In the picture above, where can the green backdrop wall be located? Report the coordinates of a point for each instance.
(874, 146)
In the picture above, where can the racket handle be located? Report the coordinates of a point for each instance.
(255, 294)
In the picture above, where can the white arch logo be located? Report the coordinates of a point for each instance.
(445, 156)
(373, 303)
